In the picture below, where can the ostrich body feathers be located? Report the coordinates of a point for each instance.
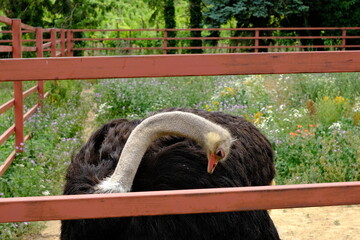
(172, 163)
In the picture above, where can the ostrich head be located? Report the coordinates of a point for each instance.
(217, 146)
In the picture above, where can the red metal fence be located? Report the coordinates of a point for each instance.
(64, 42)
(228, 40)
(182, 201)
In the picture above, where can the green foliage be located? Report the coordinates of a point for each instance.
(250, 13)
(337, 13)
(58, 13)
(318, 154)
(136, 97)
(304, 88)
(30, 12)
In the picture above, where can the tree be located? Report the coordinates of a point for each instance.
(165, 8)
(80, 13)
(30, 12)
(58, 13)
(247, 13)
(195, 22)
(326, 13)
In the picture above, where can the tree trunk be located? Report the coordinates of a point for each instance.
(169, 17)
(195, 22)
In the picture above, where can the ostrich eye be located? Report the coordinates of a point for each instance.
(220, 153)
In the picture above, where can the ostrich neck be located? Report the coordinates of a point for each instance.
(170, 123)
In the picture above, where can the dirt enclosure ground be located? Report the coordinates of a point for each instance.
(325, 223)
(320, 223)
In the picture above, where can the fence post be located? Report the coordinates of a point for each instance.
(53, 42)
(69, 43)
(344, 39)
(40, 54)
(18, 88)
(62, 43)
(257, 34)
(165, 41)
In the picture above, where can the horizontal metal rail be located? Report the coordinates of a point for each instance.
(6, 106)
(178, 65)
(5, 136)
(222, 47)
(216, 29)
(6, 48)
(217, 38)
(7, 163)
(5, 20)
(30, 91)
(178, 202)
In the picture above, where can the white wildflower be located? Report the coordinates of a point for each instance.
(356, 107)
(335, 126)
(46, 193)
(296, 113)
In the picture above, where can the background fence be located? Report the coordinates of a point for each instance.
(226, 40)
(95, 42)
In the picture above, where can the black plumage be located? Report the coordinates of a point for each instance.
(173, 163)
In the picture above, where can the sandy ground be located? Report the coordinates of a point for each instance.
(320, 223)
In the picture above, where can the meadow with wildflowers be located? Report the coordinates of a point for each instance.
(312, 121)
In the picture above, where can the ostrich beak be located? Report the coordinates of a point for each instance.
(212, 163)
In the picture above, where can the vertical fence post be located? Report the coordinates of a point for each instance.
(53, 42)
(62, 43)
(257, 34)
(165, 42)
(69, 43)
(16, 38)
(39, 42)
(344, 39)
(40, 54)
(18, 88)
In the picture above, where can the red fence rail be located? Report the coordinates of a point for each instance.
(186, 201)
(178, 202)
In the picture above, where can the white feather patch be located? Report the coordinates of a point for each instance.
(108, 186)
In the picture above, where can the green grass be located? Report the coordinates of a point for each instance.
(40, 169)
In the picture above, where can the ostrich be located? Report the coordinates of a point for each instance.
(172, 149)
